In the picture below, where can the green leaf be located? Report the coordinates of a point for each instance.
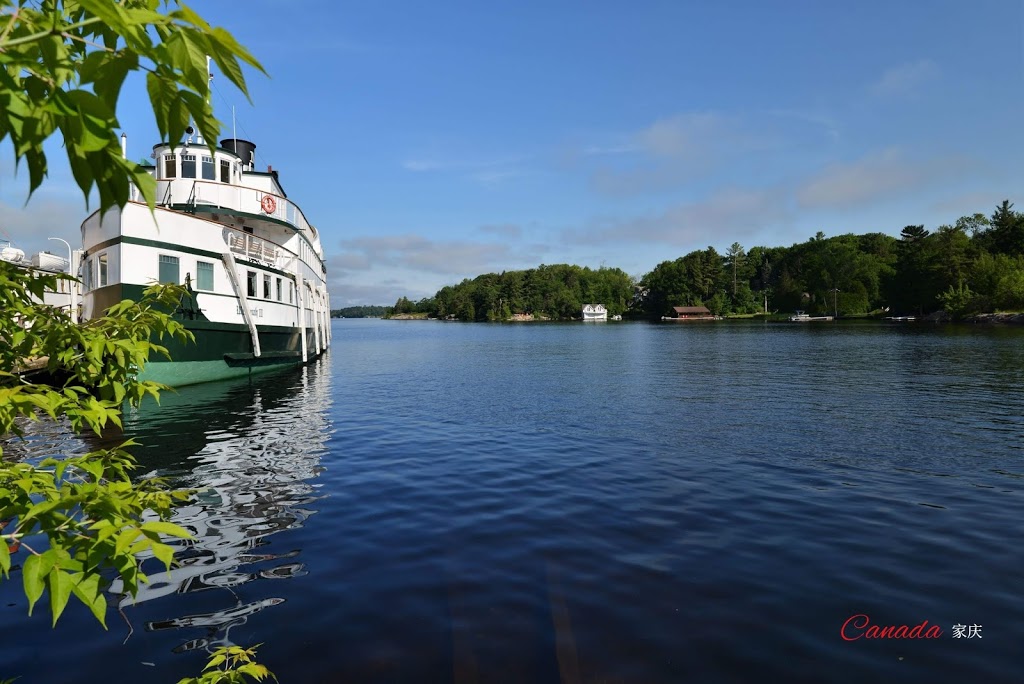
(5, 557)
(164, 553)
(125, 540)
(33, 575)
(106, 11)
(60, 591)
(41, 509)
(163, 527)
(87, 588)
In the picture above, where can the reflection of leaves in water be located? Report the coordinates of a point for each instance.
(251, 452)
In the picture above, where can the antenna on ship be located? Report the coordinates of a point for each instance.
(209, 89)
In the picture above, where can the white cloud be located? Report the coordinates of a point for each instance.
(503, 230)
(451, 258)
(379, 294)
(733, 212)
(598, 150)
(29, 226)
(416, 165)
(669, 153)
(970, 203)
(486, 172)
(874, 176)
(348, 261)
(904, 78)
(828, 124)
(687, 136)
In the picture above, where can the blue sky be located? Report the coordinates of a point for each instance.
(430, 142)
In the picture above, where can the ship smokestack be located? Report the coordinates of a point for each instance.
(245, 150)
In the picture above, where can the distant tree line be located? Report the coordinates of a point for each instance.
(554, 291)
(359, 312)
(974, 265)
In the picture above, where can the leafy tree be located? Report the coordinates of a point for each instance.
(735, 257)
(957, 301)
(62, 66)
(64, 63)
(558, 291)
(953, 252)
(359, 312)
(1007, 230)
(914, 284)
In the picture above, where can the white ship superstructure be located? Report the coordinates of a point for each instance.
(252, 262)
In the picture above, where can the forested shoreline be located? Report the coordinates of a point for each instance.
(973, 266)
(360, 312)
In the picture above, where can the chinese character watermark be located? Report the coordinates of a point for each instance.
(966, 631)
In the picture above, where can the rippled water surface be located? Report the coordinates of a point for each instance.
(581, 503)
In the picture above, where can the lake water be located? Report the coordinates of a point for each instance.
(582, 503)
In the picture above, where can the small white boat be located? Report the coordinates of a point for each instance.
(801, 317)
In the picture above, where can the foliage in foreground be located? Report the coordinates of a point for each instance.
(79, 521)
(62, 66)
(231, 665)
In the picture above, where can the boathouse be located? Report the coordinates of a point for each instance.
(691, 311)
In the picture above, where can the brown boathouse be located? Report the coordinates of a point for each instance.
(691, 312)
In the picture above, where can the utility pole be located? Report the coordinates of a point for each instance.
(835, 296)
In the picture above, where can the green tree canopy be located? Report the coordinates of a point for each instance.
(63, 64)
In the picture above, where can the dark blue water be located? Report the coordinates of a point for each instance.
(582, 503)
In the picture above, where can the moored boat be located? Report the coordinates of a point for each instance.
(801, 317)
(252, 264)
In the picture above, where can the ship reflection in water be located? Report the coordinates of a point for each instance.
(251, 453)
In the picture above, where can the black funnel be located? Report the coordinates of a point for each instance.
(245, 150)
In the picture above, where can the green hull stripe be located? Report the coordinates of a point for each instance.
(179, 374)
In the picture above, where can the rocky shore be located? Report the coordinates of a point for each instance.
(979, 319)
(997, 318)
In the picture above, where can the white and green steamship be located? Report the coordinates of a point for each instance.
(253, 264)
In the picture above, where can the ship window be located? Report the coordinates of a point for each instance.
(266, 287)
(208, 170)
(101, 261)
(170, 166)
(290, 289)
(225, 171)
(169, 269)
(250, 283)
(278, 289)
(188, 166)
(204, 275)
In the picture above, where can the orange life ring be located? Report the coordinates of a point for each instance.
(269, 204)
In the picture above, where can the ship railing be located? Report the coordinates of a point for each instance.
(195, 192)
(260, 250)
